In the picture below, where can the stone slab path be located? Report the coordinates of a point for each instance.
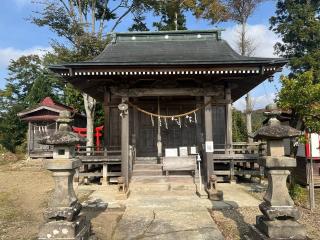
(167, 215)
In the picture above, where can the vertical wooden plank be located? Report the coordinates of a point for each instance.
(228, 120)
(208, 130)
(125, 145)
(106, 109)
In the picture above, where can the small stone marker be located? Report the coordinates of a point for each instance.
(213, 193)
(279, 219)
(63, 220)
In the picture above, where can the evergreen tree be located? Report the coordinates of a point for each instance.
(298, 24)
(12, 129)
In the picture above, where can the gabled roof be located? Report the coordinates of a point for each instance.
(170, 48)
(152, 58)
(46, 104)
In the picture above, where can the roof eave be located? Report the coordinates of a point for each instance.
(271, 61)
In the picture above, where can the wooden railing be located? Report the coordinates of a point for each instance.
(100, 162)
(240, 159)
(241, 148)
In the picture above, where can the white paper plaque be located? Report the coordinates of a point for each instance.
(209, 147)
(193, 150)
(171, 152)
(183, 151)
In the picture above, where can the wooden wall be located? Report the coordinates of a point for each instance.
(145, 134)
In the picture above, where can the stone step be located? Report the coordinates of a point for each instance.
(144, 166)
(145, 183)
(146, 160)
(162, 187)
(147, 172)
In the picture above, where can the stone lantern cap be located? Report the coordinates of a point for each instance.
(274, 130)
(64, 135)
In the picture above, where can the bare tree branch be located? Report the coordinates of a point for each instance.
(65, 6)
(121, 17)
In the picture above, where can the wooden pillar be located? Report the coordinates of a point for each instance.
(159, 141)
(29, 137)
(229, 130)
(208, 131)
(228, 120)
(199, 124)
(106, 109)
(135, 135)
(104, 179)
(125, 145)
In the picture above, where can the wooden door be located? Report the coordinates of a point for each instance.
(147, 135)
(114, 130)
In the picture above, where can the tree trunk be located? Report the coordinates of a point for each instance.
(90, 106)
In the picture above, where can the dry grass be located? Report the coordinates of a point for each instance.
(24, 193)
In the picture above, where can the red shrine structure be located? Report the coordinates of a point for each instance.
(41, 120)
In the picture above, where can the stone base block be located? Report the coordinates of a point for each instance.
(79, 229)
(201, 193)
(272, 213)
(277, 229)
(233, 181)
(67, 213)
(215, 195)
(122, 195)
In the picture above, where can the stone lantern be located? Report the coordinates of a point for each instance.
(279, 219)
(63, 220)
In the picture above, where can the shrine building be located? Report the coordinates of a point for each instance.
(169, 94)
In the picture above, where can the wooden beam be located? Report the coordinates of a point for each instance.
(149, 92)
(125, 145)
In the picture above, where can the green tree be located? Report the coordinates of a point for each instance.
(12, 129)
(172, 15)
(297, 22)
(26, 74)
(303, 95)
(238, 126)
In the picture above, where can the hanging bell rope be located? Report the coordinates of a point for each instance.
(168, 116)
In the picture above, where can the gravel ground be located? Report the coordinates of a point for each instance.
(234, 223)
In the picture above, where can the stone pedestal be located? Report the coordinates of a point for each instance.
(62, 215)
